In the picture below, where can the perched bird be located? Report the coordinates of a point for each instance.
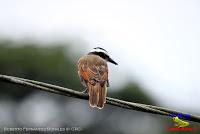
(93, 73)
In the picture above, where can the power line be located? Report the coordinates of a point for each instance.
(111, 101)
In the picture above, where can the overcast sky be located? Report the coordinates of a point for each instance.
(155, 42)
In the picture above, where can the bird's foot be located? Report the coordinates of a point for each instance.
(85, 91)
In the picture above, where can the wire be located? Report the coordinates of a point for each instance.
(111, 101)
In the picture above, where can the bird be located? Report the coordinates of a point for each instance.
(93, 74)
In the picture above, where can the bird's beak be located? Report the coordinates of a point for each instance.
(112, 61)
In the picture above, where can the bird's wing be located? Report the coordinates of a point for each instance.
(93, 72)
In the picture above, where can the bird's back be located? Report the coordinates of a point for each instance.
(92, 60)
(93, 72)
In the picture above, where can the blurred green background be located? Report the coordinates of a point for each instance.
(56, 64)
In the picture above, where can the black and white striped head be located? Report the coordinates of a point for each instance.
(103, 54)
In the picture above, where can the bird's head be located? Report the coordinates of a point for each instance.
(103, 54)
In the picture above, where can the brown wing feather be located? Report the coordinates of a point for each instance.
(93, 71)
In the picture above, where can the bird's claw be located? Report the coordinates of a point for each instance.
(85, 91)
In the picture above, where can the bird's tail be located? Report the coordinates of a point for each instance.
(97, 95)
